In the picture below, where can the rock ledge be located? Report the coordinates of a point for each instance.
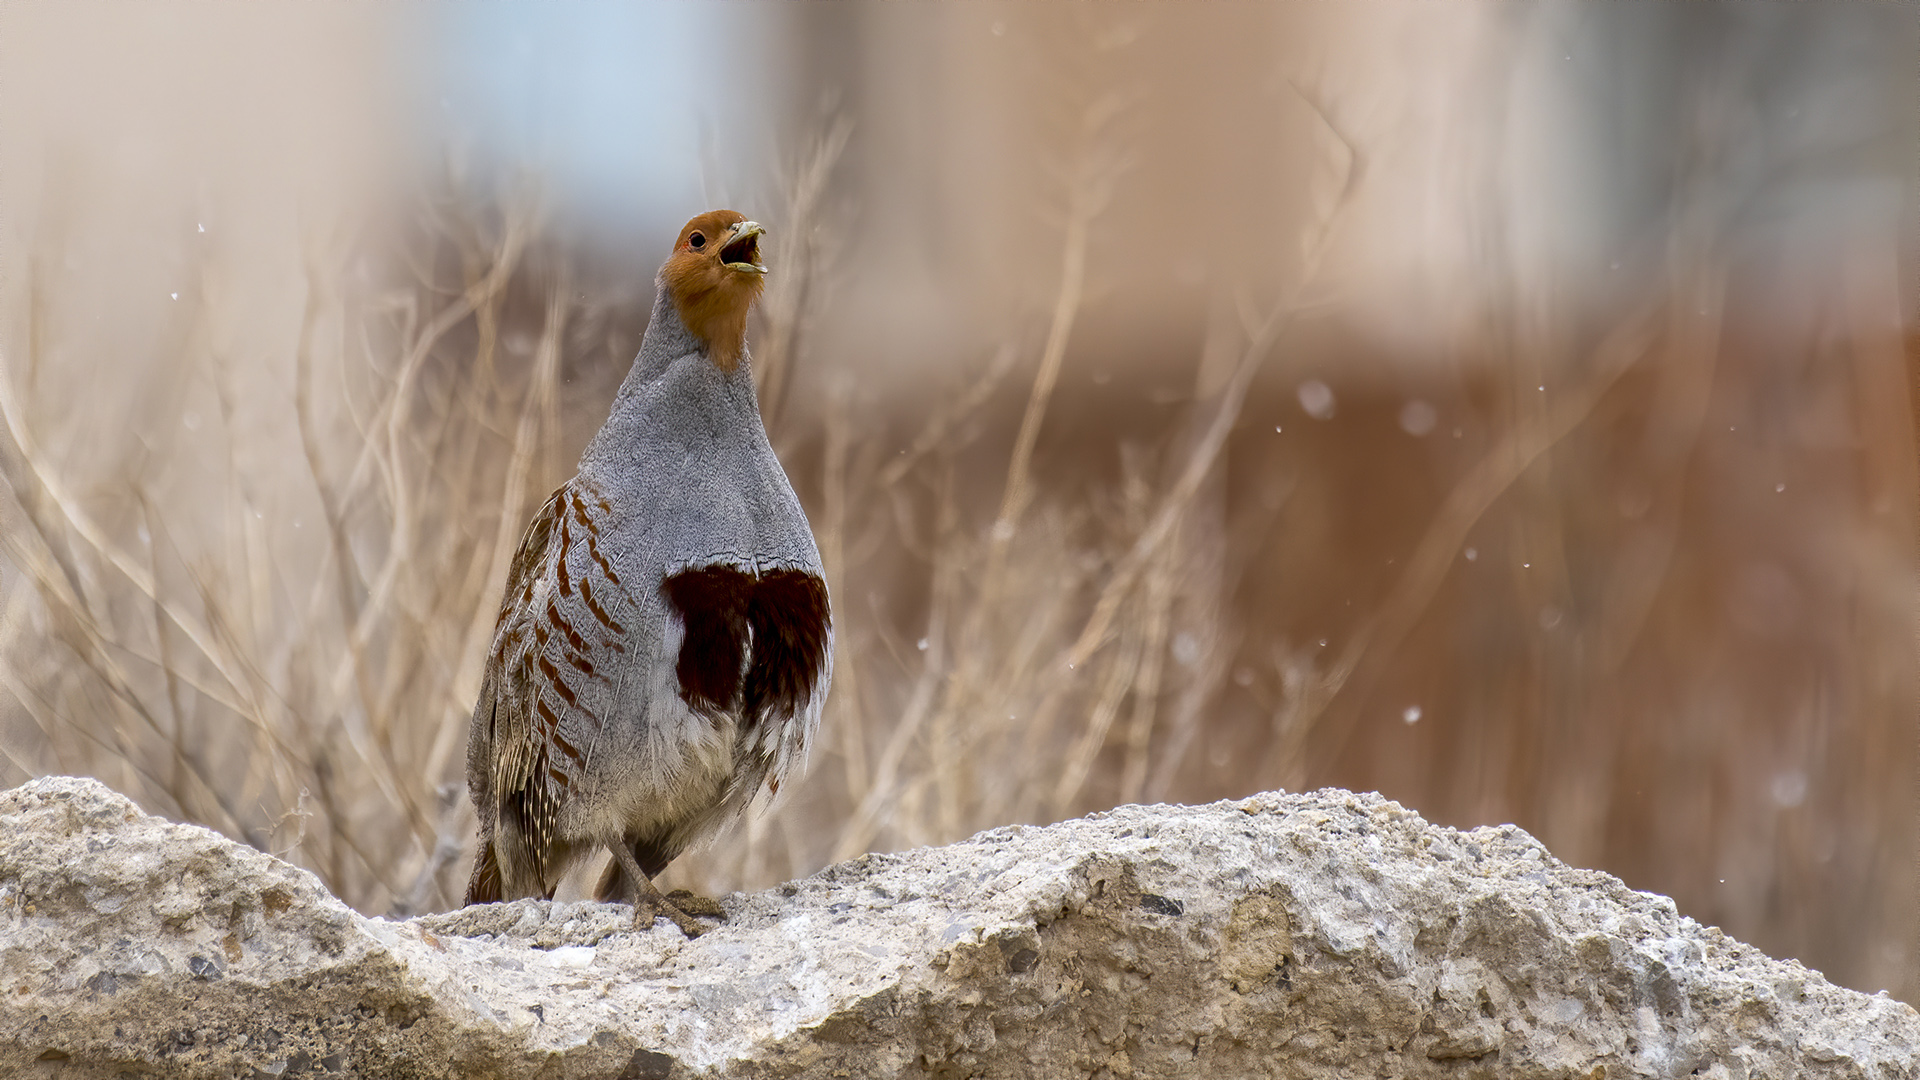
(1313, 935)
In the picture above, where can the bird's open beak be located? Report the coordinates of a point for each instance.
(742, 251)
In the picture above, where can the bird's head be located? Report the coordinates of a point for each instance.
(714, 275)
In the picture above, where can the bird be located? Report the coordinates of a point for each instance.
(665, 643)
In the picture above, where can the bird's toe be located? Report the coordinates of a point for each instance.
(705, 907)
(649, 909)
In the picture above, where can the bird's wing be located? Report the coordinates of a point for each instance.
(512, 726)
(509, 729)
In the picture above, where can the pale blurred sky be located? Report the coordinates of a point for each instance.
(1540, 142)
(621, 108)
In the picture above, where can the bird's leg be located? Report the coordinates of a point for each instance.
(648, 902)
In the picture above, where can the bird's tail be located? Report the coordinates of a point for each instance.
(484, 886)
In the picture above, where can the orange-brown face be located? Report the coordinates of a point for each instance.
(714, 275)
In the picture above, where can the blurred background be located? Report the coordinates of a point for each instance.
(1503, 407)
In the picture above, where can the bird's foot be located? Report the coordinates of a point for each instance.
(704, 906)
(679, 908)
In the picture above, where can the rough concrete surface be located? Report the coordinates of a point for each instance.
(1328, 934)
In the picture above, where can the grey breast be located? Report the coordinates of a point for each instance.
(724, 599)
(666, 605)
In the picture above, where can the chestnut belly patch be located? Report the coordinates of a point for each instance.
(755, 645)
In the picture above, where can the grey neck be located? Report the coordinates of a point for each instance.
(666, 340)
(672, 364)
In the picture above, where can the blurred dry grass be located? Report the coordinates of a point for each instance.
(1636, 574)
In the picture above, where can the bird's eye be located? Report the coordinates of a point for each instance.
(696, 241)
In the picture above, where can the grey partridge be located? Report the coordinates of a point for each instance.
(665, 643)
